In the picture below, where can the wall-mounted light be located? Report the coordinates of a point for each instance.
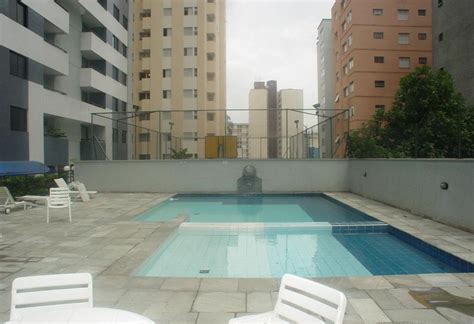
(444, 186)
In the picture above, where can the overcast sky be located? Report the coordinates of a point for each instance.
(272, 40)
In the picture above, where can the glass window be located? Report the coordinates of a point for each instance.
(404, 62)
(377, 12)
(166, 32)
(403, 38)
(144, 137)
(378, 35)
(115, 42)
(403, 14)
(115, 135)
(18, 119)
(124, 136)
(379, 59)
(210, 116)
(115, 73)
(125, 22)
(166, 52)
(18, 65)
(379, 84)
(422, 12)
(166, 94)
(21, 14)
(166, 73)
(116, 13)
(423, 60)
(167, 11)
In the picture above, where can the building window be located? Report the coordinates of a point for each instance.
(211, 96)
(144, 54)
(211, 37)
(441, 37)
(211, 76)
(166, 52)
(351, 87)
(145, 13)
(115, 104)
(116, 13)
(190, 51)
(143, 116)
(421, 12)
(346, 69)
(115, 73)
(21, 16)
(379, 107)
(144, 95)
(190, 72)
(115, 135)
(166, 73)
(124, 51)
(18, 65)
(190, 93)
(379, 84)
(351, 64)
(211, 56)
(346, 91)
(144, 157)
(144, 74)
(404, 62)
(377, 12)
(379, 59)
(124, 136)
(211, 17)
(378, 35)
(125, 22)
(145, 34)
(190, 31)
(144, 137)
(210, 116)
(403, 14)
(423, 60)
(349, 41)
(18, 119)
(166, 32)
(190, 11)
(115, 42)
(422, 36)
(403, 38)
(166, 94)
(167, 11)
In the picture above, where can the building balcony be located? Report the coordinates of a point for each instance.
(146, 4)
(145, 104)
(27, 43)
(57, 16)
(56, 150)
(145, 84)
(146, 22)
(96, 16)
(146, 43)
(94, 48)
(93, 81)
(145, 63)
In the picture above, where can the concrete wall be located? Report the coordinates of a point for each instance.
(212, 176)
(415, 185)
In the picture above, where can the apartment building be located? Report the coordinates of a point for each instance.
(274, 117)
(62, 61)
(375, 44)
(326, 77)
(453, 42)
(179, 69)
(241, 131)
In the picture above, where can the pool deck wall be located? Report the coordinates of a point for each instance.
(409, 184)
(216, 176)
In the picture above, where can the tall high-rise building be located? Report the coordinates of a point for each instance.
(326, 75)
(274, 117)
(62, 61)
(180, 68)
(453, 42)
(376, 43)
(241, 131)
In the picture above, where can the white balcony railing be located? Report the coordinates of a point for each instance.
(93, 47)
(94, 81)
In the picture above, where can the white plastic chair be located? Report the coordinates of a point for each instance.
(50, 293)
(302, 301)
(7, 202)
(58, 198)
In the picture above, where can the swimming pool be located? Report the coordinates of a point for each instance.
(254, 208)
(269, 251)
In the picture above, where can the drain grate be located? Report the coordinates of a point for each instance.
(204, 271)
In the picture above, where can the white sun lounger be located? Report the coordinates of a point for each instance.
(7, 202)
(81, 191)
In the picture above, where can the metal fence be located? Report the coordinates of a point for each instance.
(207, 134)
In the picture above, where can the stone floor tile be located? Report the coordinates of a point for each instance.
(443, 280)
(404, 297)
(171, 302)
(416, 316)
(376, 282)
(259, 302)
(220, 302)
(407, 281)
(172, 318)
(454, 316)
(258, 285)
(464, 292)
(467, 278)
(184, 284)
(384, 299)
(214, 318)
(368, 310)
(222, 285)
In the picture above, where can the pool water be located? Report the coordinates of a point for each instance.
(253, 208)
(271, 251)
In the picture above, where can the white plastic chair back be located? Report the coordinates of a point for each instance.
(61, 183)
(83, 192)
(59, 198)
(50, 293)
(304, 301)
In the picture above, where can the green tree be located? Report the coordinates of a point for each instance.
(180, 154)
(429, 119)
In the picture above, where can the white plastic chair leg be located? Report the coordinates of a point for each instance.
(70, 214)
(47, 214)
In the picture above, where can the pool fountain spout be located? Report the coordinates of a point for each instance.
(249, 182)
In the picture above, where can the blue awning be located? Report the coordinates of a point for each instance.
(14, 168)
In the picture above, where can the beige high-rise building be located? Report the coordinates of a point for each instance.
(179, 66)
(241, 131)
(275, 118)
(376, 43)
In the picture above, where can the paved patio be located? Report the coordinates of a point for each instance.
(104, 241)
